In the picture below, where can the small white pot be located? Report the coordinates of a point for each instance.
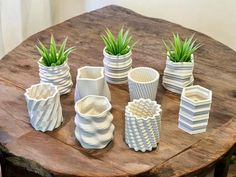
(90, 81)
(194, 109)
(44, 106)
(57, 75)
(178, 75)
(117, 67)
(142, 124)
(143, 83)
(94, 128)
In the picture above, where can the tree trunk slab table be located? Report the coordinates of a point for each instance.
(26, 152)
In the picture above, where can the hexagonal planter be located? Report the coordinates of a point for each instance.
(44, 106)
(90, 81)
(142, 124)
(194, 109)
(94, 128)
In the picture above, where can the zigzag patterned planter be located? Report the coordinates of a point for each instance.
(57, 75)
(94, 128)
(142, 124)
(44, 106)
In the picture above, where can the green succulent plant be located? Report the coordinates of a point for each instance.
(52, 56)
(180, 50)
(119, 45)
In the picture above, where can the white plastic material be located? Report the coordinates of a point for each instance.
(142, 124)
(90, 81)
(94, 128)
(44, 107)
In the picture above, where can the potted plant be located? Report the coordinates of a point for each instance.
(179, 64)
(53, 67)
(117, 56)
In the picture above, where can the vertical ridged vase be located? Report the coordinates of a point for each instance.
(90, 81)
(143, 83)
(117, 67)
(178, 75)
(142, 124)
(57, 75)
(93, 120)
(44, 106)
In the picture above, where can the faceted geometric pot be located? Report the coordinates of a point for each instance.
(194, 109)
(117, 67)
(143, 83)
(57, 75)
(90, 81)
(44, 106)
(94, 128)
(142, 124)
(178, 75)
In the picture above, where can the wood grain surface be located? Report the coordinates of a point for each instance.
(58, 153)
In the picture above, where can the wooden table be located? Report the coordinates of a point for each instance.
(26, 152)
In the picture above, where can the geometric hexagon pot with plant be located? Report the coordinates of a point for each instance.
(195, 107)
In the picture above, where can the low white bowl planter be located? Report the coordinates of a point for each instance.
(117, 67)
(94, 128)
(142, 124)
(44, 106)
(195, 107)
(143, 83)
(57, 75)
(178, 75)
(90, 81)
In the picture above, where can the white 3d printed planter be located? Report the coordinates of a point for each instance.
(57, 75)
(142, 124)
(90, 81)
(117, 67)
(178, 75)
(143, 83)
(94, 128)
(44, 107)
(194, 109)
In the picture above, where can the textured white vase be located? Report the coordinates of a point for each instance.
(142, 124)
(90, 81)
(57, 75)
(178, 75)
(117, 67)
(195, 107)
(143, 83)
(44, 106)
(94, 128)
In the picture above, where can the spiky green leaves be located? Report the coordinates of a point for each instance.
(119, 45)
(180, 50)
(52, 56)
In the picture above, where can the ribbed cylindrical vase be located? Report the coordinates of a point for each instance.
(90, 81)
(94, 128)
(142, 124)
(117, 67)
(44, 106)
(143, 83)
(57, 75)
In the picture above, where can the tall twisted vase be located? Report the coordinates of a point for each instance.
(57, 75)
(93, 120)
(178, 75)
(142, 124)
(117, 67)
(90, 81)
(44, 106)
(143, 83)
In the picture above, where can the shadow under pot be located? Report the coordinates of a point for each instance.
(143, 83)
(57, 75)
(44, 106)
(117, 67)
(93, 120)
(90, 81)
